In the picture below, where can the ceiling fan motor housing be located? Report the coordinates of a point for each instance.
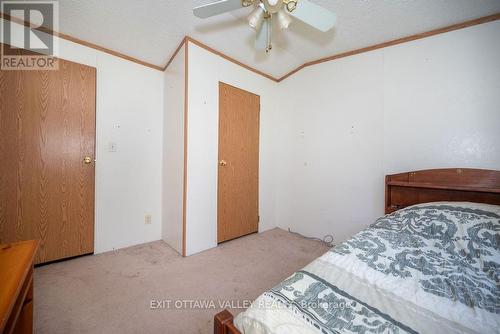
(273, 6)
(264, 12)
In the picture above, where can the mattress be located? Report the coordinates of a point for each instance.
(429, 268)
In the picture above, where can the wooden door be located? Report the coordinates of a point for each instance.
(238, 183)
(47, 128)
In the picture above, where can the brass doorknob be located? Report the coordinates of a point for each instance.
(222, 163)
(87, 160)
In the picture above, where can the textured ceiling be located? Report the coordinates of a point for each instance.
(151, 30)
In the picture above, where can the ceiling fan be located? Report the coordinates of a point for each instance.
(265, 11)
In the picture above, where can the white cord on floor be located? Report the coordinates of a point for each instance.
(327, 239)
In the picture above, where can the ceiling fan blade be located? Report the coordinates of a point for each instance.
(314, 15)
(261, 40)
(216, 8)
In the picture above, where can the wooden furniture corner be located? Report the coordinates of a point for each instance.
(16, 293)
(223, 323)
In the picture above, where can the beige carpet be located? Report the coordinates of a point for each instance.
(112, 292)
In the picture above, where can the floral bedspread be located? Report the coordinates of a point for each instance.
(428, 268)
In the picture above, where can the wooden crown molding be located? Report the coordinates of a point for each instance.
(81, 42)
(430, 33)
(187, 39)
(466, 24)
(232, 60)
(175, 53)
(410, 38)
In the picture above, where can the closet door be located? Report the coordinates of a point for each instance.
(238, 182)
(47, 131)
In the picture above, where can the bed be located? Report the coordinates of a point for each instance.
(430, 265)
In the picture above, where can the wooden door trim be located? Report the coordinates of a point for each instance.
(94, 162)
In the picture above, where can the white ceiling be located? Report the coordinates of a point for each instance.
(151, 30)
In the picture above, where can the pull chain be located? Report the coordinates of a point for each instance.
(269, 34)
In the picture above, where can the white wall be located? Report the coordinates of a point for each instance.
(129, 112)
(430, 103)
(205, 71)
(173, 152)
(328, 136)
(444, 92)
(128, 182)
(330, 154)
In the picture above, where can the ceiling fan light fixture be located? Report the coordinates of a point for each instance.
(266, 11)
(272, 6)
(290, 5)
(256, 18)
(247, 3)
(284, 19)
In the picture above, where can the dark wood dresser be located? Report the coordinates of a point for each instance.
(16, 286)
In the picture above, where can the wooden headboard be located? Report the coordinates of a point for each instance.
(434, 185)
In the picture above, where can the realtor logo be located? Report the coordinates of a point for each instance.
(28, 40)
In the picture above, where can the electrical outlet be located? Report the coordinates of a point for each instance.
(147, 219)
